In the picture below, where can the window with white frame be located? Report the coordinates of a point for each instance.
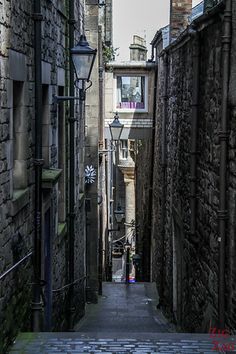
(131, 92)
(123, 149)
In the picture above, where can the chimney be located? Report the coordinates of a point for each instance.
(180, 11)
(138, 50)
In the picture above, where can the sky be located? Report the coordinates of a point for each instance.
(141, 17)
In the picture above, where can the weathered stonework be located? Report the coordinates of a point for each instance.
(17, 206)
(143, 175)
(186, 266)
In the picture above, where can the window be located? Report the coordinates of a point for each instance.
(131, 93)
(46, 126)
(61, 159)
(123, 149)
(19, 137)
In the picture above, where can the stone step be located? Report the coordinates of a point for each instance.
(74, 342)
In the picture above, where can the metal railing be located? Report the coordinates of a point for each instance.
(16, 265)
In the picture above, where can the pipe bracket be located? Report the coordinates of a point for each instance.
(192, 178)
(36, 306)
(38, 162)
(37, 16)
(72, 119)
(223, 135)
(72, 21)
(222, 214)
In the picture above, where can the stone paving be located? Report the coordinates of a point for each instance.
(124, 321)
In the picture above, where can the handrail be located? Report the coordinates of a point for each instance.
(68, 285)
(15, 266)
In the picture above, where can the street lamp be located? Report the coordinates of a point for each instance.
(116, 128)
(83, 57)
(119, 214)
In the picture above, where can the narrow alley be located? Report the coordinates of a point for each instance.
(125, 320)
(117, 176)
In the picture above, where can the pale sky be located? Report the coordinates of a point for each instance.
(141, 17)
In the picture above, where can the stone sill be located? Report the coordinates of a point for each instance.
(19, 201)
(62, 229)
(50, 177)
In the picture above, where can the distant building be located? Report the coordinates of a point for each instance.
(127, 91)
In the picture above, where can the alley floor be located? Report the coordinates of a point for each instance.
(124, 321)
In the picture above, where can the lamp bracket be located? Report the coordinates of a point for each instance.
(72, 119)
(82, 91)
(57, 99)
(105, 151)
(89, 85)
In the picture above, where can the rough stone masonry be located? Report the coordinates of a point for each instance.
(186, 266)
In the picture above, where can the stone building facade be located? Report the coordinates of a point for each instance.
(192, 258)
(17, 171)
(128, 90)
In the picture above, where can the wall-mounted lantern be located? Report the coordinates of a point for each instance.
(119, 214)
(83, 57)
(116, 128)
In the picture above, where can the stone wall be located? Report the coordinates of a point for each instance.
(16, 210)
(17, 206)
(143, 175)
(185, 266)
(91, 156)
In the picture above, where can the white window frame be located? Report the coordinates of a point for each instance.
(122, 149)
(130, 110)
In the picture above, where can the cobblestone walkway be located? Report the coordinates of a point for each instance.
(124, 321)
(54, 343)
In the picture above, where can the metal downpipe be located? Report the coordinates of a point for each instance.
(36, 304)
(71, 308)
(149, 260)
(101, 161)
(163, 169)
(194, 134)
(223, 138)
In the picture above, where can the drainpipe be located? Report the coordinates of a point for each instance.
(101, 161)
(194, 134)
(223, 138)
(163, 167)
(36, 305)
(152, 164)
(71, 119)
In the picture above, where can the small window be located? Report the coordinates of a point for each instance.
(123, 149)
(46, 126)
(61, 159)
(19, 137)
(131, 93)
